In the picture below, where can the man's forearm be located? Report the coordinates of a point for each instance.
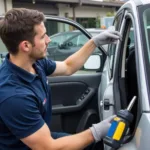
(77, 60)
(73, 142)
(42, 140)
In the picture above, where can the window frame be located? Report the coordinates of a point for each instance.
(103, 53)
(112, 47)
(141, 9)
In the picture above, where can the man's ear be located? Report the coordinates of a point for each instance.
(25, 46)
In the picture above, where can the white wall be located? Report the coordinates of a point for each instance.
(8, 5)
(84, 11)
(2, 8)
(5, 6)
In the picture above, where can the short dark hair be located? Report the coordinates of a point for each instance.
(18, 25)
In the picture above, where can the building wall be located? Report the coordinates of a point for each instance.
(62, 9)
(84, 11)
(5, 6)
(2, 8)
(46, 9)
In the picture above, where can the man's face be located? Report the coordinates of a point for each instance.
(41, 41)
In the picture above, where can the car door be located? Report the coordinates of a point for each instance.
(74, 98)
(106, 91)
(128, 79)
(109, 96)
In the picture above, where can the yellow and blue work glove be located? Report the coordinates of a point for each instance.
(100, 130)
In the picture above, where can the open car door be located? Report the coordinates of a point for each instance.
(74, 98)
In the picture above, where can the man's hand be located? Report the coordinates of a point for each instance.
(100, 130)
(106, 37)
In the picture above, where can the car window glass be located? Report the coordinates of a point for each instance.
(77, 39)
(65, 40)
(146, 20)
(94, 33)
(145, 29)
(80, 40)
(131, 36)
(73, 41)
(3, 51)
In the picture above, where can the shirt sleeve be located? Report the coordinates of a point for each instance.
(21, 115)
(47, 65)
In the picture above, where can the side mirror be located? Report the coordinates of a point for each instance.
(93, 62)
(63, 46)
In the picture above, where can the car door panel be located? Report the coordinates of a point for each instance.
(91, 79)
(66, 90)
(68, 106)
(73, 101)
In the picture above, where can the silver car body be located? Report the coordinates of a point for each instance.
(140, 139)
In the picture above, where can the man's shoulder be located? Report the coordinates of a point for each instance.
(5, 76)
(46, 65)
(45, 61)
(4, 68)
(11, 87)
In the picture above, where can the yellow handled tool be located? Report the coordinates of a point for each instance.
(119, 126)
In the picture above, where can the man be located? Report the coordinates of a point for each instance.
(25, 107)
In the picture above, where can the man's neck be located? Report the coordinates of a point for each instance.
(23, 62)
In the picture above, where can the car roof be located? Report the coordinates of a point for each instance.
(139, 2)
(134, 3)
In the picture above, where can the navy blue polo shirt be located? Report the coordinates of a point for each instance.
(25, 102)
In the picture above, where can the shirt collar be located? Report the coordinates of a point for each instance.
(19, 71)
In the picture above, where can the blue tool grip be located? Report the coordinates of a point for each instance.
(112, 129)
